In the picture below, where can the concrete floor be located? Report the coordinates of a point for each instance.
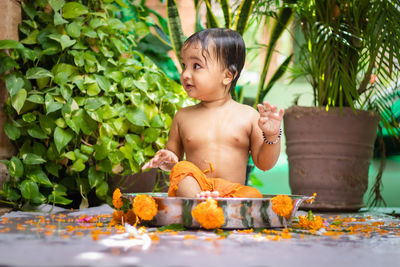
(68, 238)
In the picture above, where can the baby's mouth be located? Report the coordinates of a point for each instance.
(188, 86)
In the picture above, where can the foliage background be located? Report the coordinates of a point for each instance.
(84, 103)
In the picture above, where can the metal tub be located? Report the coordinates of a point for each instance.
(239, 213)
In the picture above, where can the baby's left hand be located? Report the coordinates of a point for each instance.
(270, 120)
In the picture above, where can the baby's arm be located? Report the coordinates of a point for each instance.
(268, 122)
(166, 158)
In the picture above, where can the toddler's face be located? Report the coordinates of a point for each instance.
(202, 74)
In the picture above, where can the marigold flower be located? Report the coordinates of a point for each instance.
(120, 217)
(282, 205)
(145, 207)
(286, 234)
(311, 222)
(208, 214)
(117, 201)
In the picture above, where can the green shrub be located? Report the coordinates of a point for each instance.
(84, 105)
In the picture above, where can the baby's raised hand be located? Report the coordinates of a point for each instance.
(270, 119)
(164, 159)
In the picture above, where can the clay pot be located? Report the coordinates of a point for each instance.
(136, 183)
(330, 153)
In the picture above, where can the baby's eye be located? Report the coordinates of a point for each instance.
(196, 66)
(183, 66)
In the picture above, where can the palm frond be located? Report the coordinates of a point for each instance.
(175, 27)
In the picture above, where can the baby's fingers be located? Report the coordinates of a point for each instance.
(146, 165)
(260, 108)
(281, 113)
(153, 163)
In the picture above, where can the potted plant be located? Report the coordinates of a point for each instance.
(84, 105)
(350, 56)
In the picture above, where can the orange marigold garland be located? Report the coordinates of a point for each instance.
(121, 217)
(117, 199)
(145, 207)
(311, 222)
(208, 214)
(282, 205)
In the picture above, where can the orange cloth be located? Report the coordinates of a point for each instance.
(225, 188)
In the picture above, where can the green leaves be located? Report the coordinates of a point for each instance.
(15, 167)
(62, 137)
(10, 44)
(56, 4)
(281, 23)
(29, 190)
(77, 92)
(38, 72)
(32, 159)
(245, 9)
(137, 117)
(39, 176)
(7, 63)
(73, 9)
(13, 84)
(63, 40)
(78, 166)
(11, 131)
(175, 28)
(95, 177)
(18, 100)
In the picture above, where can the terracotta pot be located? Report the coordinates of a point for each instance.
(329, 153)
(136, 183)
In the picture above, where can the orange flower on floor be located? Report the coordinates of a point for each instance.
(121, 217)
(117, 199)
(310, 222)
(208, 214)
(282, 205)
(145, 207)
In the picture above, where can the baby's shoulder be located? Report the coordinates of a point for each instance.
(183, 112)
(245, 110)
(187, 109)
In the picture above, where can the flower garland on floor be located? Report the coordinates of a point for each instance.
(208, 214)
(122, 213)
(282, 205)
(311, 222)
(142, 207)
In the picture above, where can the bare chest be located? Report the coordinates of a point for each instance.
(226, 130)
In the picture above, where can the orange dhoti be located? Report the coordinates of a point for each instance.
(225, 188)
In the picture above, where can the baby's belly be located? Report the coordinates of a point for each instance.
(228, 165)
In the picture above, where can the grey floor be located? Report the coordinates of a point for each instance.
(29, 242)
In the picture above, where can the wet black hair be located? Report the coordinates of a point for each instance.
(229, 47)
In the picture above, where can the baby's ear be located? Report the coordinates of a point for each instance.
(228, 77)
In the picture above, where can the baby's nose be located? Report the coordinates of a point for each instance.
(185, 74)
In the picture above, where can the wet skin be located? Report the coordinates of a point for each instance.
(218, 130)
